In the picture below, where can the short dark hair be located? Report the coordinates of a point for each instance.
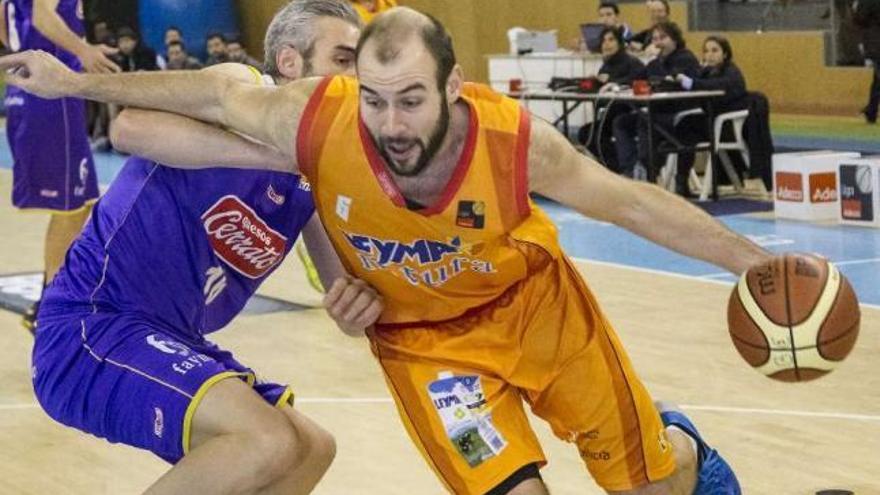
(723, 42)
(609, 5)
(127, 32)
(216, 35)
(433, 34)
(234, 39)
(618, 35)
(672, 30)
(176, 43)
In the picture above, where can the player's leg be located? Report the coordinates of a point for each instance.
(469, 425)
(242, 444)
(120, 378)
(64, 227)
(597, 401)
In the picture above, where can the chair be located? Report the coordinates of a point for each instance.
(703, 184)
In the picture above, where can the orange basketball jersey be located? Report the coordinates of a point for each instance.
(435, 263)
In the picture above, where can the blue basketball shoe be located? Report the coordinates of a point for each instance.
(714, 476)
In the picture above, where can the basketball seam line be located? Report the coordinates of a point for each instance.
(749, 315)
(797, 372)
(831, 341)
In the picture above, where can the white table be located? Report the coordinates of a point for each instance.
(572, 101)
(535, 72)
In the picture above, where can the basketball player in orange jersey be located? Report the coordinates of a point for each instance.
(421, 181)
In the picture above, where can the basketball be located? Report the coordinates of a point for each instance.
(793, 317)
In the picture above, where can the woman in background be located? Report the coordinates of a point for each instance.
(619, 68)
(718, 73)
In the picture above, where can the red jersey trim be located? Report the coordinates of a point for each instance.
(386, 182)
(304, 134)
(521, 163)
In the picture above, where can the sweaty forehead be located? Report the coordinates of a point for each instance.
(413, 64)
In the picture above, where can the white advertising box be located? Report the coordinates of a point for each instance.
(805, 184)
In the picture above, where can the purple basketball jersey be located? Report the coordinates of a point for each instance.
(53, 166)
(184, 249)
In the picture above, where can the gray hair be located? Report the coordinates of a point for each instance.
(292, 26)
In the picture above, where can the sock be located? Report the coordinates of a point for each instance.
(691, 439)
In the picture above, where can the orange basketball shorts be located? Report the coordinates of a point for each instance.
(460, 388)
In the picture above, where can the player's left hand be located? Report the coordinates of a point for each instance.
(39, 73)
(353, 305)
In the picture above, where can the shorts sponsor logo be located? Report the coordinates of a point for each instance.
(158, 422)
(192, 360)
(242, 239)
(168, 346)
(823, 188)
(48, 193)
(466, 417)
(595, 455)
(789, 186)
(191, 363)
(13, 101)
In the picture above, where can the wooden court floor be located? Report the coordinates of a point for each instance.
(781, 438)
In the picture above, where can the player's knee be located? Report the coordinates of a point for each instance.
(317, 445)
(276, 448)
(322, 447)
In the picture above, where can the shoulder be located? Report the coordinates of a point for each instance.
(239, 72)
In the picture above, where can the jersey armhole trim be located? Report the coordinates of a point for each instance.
(304, 142)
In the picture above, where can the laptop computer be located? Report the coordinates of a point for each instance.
(591, 33)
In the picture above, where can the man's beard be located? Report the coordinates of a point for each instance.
(426, 153)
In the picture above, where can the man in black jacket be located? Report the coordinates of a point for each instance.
(866, 14)
(133, 54)
(674, 58)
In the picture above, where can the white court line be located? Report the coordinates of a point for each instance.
(783, 412)
(721, 409)
(699, 278)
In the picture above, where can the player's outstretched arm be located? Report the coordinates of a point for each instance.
(179, 141)
(183, 142)
(558, 171)
(270, 115)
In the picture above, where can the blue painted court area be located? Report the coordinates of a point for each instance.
(856, 251)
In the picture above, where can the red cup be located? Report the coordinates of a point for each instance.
(515, 85)
(641, 87)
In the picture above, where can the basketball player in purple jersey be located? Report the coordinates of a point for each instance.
(52, 168)
(171, 255)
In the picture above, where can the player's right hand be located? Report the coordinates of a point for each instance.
(39, 73)
(353, 305)
(94, 59)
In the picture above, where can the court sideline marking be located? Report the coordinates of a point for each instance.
(700, 278)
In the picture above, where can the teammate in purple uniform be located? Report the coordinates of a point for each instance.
(171, 255)
(53, 168)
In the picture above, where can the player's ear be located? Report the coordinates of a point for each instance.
(290, 62)
(454, 84)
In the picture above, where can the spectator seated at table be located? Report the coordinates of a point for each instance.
(179, 59)
(631, 129)
(659, 12)
(619, 68)
(718, 73)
